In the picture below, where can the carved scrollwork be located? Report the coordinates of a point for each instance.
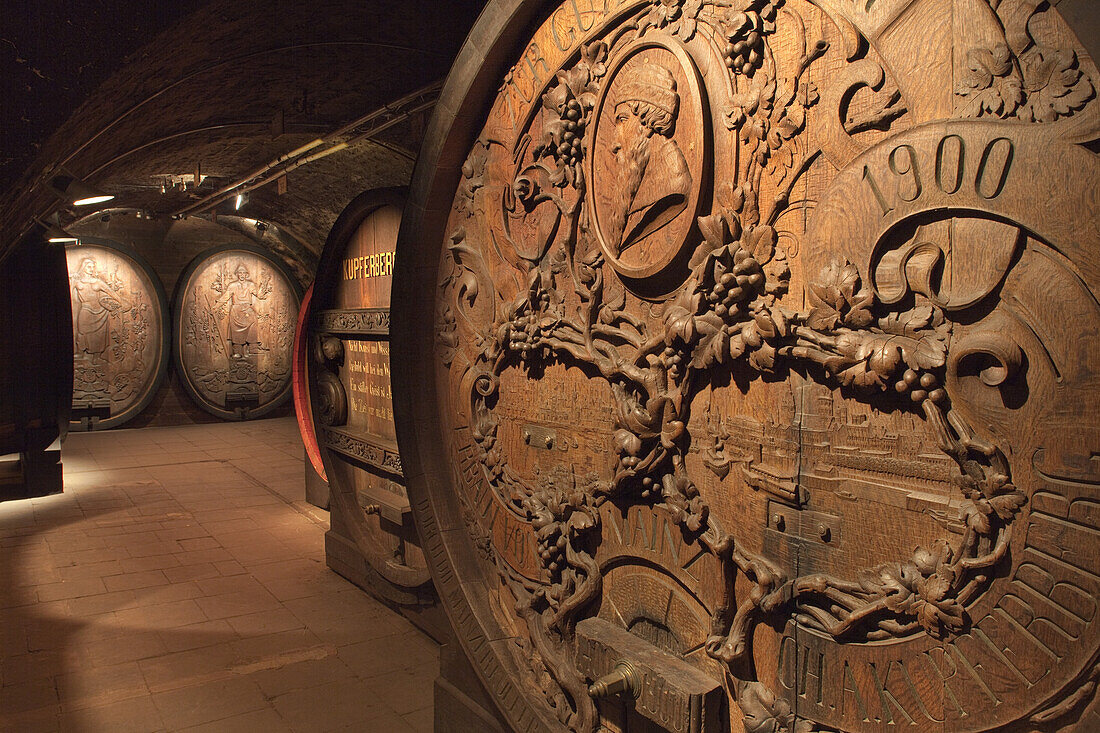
(359, 321)
(332, 401)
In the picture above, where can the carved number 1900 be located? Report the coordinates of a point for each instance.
(950, 171)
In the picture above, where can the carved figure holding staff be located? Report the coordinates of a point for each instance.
(241, 330)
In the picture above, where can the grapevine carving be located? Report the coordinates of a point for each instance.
(569, 306)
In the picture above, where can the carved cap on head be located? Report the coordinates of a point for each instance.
(650, 84)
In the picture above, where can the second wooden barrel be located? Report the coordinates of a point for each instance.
(372, 540)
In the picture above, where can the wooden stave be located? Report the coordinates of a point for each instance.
(302, 410)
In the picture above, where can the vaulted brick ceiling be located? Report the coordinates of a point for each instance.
(133, 97)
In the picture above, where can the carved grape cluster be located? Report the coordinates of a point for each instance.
(672, 361)
(735, 287)
(745, 55)
(745, 31)
(920, 386)
(523, 333)
(569, 150)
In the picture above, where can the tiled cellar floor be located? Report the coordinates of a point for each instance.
(179, 584)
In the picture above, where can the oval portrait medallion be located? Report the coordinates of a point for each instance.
(648, 157)
(235, 315)
(120, 334)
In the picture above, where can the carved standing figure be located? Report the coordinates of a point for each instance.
(242, 294)
(93, 302)
(654, 178)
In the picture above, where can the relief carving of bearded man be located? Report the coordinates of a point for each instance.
(653, 181)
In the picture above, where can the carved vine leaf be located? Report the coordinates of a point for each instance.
(991, 83)
(764, 712)
(678, 17)
(838, 299)
(1056, 87)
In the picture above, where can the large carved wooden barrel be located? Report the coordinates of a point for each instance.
(235, 311)
(372, 540)
(749, 364)
(120, 333)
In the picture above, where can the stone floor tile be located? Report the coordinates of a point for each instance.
(265, 622)
(265, 720)
(188, 668)
(102, 603)
(135, 581)
(84, 687)
(302, 675)
(190, 706)
(421, 721)
(135, 714)
(70, 589)
(161, 616)
(128, 646)
(26, 696)
(90, 570)
(328, 707)
(15, 668)
(237, 603)
(182, 573)
(197, 636)
(405, 690)
(43, 720)
(149, 562)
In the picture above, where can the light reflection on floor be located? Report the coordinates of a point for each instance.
(179, 584)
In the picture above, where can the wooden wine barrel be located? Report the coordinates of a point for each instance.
(748, 364)
(120, 333)
(302, 408)
(235, 310)
(36, 378)
(372, 540)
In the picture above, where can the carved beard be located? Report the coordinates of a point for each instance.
(632, 166)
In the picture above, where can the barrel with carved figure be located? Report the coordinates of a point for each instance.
(120, 333)
(236, 307)
(372, 540)
(748, 364)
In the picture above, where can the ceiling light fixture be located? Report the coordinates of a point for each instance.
(239, 202)
(76, 192)
(56, 235)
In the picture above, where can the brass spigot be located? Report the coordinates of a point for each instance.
(624, 678)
